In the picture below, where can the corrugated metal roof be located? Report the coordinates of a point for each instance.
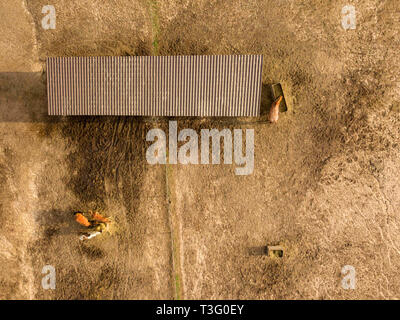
(228, 86)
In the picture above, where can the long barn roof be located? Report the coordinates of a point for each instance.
(225, 86)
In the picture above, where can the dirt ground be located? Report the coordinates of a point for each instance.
(326, 176)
